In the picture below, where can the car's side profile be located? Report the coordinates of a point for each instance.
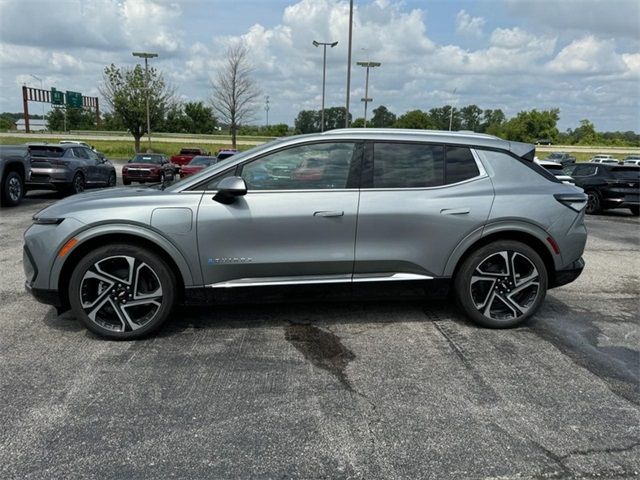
(608, 186)
(346, 210)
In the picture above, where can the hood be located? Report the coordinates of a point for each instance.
(141, 165)
(76, 205)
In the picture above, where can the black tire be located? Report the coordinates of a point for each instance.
(162, 178)
(112, 180)
(635, 211)
(594, 203)
(77, 184)
(151, 272)
(12, 189)
(481, 297)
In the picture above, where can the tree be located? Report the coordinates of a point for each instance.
(112, 122)
(470, 118)
(441, 116)
(200, 118)
(492, 121)
(77, 119)
(307, 121)
(530, 126)
(125, 92)
(415, 119)
(334, 117)
(234, 91)
(382, 117)
(585, 134)
(357, 123)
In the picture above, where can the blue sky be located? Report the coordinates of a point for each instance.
(582, 56)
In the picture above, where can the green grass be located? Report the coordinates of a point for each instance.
(580, 156)
(124, 149)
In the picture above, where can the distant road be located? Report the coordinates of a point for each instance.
(208, 139)
(129, 138)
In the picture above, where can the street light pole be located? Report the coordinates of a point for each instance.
(346, 116)
(266, 109)
(366, 98)
(324, 75)
(146, 57)
(451, 111)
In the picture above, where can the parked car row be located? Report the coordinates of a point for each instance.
(610, 159)
(68, 167)
(199, 162)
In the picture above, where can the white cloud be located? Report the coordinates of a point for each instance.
(588, 55)
(468, 25)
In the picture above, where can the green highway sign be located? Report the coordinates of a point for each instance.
(57, 97)
(74, 99)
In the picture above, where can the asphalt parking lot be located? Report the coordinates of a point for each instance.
(359, 390)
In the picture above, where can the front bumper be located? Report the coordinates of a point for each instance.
(568, 275)
(49, 297)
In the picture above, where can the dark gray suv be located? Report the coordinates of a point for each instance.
(340, 212)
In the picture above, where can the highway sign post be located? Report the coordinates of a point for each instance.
(56, 97)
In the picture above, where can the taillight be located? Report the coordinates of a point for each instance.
(575, 201)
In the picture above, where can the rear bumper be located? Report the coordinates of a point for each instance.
(568, 275)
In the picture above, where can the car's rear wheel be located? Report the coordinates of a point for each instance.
(77, 184)
(501, 284)
(112, 180)
(594, 204)
(12, 189)
(122, 291)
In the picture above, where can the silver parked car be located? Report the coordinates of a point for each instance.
(407, 210)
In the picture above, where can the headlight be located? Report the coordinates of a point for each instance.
(47, 220)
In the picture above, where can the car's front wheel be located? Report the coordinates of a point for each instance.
(594, 204)
(122, 291)
(501, 284)
(12, 189)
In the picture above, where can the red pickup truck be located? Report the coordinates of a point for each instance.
(186, 155)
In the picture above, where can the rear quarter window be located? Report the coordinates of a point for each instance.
(460, 165)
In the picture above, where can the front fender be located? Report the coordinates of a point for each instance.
(142, 231)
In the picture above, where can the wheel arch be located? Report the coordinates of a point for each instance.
(89, 240)
(14, 166)
(529, 235)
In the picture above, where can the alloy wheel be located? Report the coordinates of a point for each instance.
(78, 184)
(505, 285)
(121, 293)
(15, 189)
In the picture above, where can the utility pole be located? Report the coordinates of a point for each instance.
(324, 75)
(146, 57)
(366, 98)
(266, 108)
(346, 116)
(41, 88)
(451, 110)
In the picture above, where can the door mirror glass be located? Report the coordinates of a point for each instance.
(229, 188)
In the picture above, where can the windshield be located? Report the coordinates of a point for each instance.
(157, 159)
(556, 155)
(202, 160)
(190, 151)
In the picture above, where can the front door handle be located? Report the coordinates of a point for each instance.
(328, 213)
(455, 211)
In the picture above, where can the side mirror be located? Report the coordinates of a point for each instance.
(229, 188)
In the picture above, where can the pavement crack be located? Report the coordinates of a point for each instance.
(601, 450)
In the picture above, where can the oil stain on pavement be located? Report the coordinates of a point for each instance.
(322, 348)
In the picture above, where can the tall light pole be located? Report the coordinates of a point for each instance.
(451, 111)
(41, 88)
(146, 57)
(266, 108)
(324, 74)
(346, 116)
(366, 98)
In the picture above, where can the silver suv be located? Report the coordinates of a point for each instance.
(340, 212)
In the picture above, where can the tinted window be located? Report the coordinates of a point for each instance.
(460, 165)
(157, 159)
(405, 165)
(203, 161)
(585, 170)
(629, 173)
(213, 183)
(80, 152)
(305, 167)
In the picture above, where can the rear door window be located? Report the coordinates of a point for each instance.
(460, 165)
(585, 170)
(407, 165)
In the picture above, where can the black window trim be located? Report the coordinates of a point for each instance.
(353, 180)
(367, 165)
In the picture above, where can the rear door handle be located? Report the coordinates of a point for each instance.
(455, 211)
(328, 213)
